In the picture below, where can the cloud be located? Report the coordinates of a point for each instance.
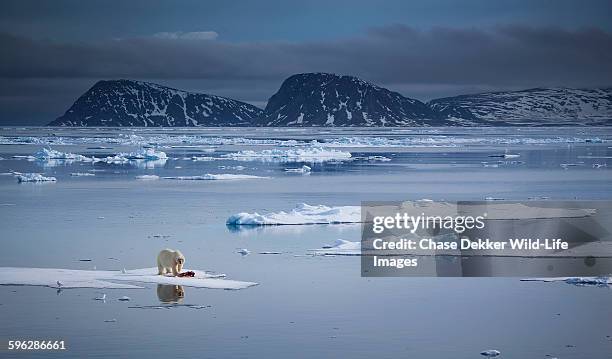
(196, 35)
(499, 56)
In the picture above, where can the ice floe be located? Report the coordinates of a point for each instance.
(491, 353)
(82, 174)
(340, 247)
(306, 154)
(71, 278)
(34, 177)
(304, 169)
(147, 177)
(214, 177)
(601, 281)
(301, 214)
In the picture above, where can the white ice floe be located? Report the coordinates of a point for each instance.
(148, 154)
(125, 298)
(47, 154)
(304, 169)
(301, 214)
(340, 247)
(147, 177)
(34, 177)
(305, 154)
(243, 251)
(82, 174)
(71, 278)
(214, 177)
(491, 353)
(581, 281)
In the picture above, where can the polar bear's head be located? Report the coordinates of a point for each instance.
(179, 258)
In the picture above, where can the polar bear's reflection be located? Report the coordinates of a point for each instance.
(170, 293)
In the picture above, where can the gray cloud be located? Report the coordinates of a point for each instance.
(400, 57)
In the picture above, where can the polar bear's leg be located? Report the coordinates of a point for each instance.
(160, 269)
(175, 270)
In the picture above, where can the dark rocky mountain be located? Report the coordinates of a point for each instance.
(135, 103)
(320, 99)
(534, 107)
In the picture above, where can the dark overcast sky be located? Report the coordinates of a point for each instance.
(53, 51)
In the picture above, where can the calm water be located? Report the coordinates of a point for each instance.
(305, 306)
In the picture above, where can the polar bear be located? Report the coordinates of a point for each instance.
(169, 260)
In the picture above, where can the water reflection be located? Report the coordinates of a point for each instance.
(170, 293)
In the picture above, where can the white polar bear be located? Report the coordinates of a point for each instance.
(169, 260)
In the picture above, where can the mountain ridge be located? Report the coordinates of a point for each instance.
(330, 100)
(137, 103)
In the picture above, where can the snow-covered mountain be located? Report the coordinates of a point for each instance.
(321, 99)
(136, 103)
(534, 107)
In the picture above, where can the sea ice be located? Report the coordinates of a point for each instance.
(147, 177)
(72, 278)
(491, 353)
(306, 154)
(340, 247)
(304, 169)
(34, 177)
(214, 177)
(82, 174)
(584, 281)
(47, 154)
(301, 214)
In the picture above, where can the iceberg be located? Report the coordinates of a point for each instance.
(34, 177)
(72, 278)
(306, 154)
(302, 214)
(212, 177)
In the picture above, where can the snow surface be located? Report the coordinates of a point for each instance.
(34, 177)
(72, 278)
(214, 177)
(306, 154)
(301, 214)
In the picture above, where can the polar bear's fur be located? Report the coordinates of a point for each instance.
(170, 261)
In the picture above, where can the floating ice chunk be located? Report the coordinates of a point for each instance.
(102, 298)
(214, 177)
(147, 177)
(202, 158)
(71, 278)
(110, 320)
(307, 154)
(340, 247)
(243, 251)
(491, 353)
(34, 177)
(301, 214)
(82, 174)
(148, 154)
(304, 169)
(602, 281)
(124, 299)
(47, 154)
